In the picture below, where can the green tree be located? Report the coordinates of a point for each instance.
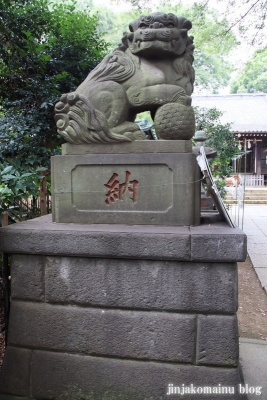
(248, 17)
(253, 78)
(16, 185)
(44, 52)
(220, 138)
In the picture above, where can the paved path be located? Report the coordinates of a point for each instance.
(254, 223)
(253, 353)
(253, 359)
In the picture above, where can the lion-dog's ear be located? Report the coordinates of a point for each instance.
(134, 25)
(187, 25)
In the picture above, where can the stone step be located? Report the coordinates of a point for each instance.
(250, 196)
(248, 189)
(247, 199)
(262, 202)
(255, 201)
(253, 196)
(259, 193)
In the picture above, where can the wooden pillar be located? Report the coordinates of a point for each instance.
(4, 218)
(43, 190)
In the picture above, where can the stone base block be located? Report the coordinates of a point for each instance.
(150, 188)
(104, 332)
(186, 287)
(65, 376)
(140, 312)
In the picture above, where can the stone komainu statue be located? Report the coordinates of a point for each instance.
(151, 70)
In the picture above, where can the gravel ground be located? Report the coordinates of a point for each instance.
(252, 312)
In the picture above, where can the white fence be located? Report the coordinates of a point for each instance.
(253, 180)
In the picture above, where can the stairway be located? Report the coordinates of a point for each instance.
(253, 195)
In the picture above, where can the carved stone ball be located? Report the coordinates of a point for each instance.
(174, 121)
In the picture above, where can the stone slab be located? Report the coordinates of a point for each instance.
(217, 341)
(258, 260)
(27, 277)
(15, 373)
(45, 237)
(103, 332)
(216, 242)
(11, 397)
(147, 284)
(138, 146)
(253, 356)
(71, 377)
(258, 247)
(134, 189)
(251, 233)
(262, 275)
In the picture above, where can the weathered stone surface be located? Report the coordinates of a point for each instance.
(217, 342)
(134, 189)
(11, 397)
(166, 283)
(168, 126)
(127, 334)
(27, 277)
(15, 374)
(157, 285)
(72, 377)
(138, 146)
(41, 236)
(212, 242)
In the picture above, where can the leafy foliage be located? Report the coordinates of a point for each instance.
(44, 52)
(246, 17)
(16, 184)
(253, 77)
(212, 72)
(219, 137)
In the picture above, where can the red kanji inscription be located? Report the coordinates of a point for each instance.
(116, 190)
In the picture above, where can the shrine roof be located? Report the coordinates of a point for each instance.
(247, 112)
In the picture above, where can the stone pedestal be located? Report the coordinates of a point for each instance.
(138, 183)
(122, 312)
